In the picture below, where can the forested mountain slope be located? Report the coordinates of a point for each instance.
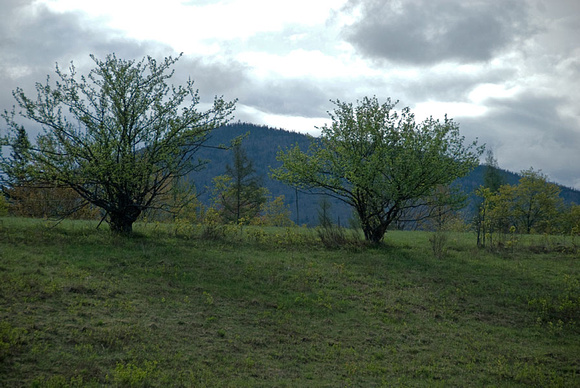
(262, 143)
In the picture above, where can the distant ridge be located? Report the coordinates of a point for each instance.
(262, 144)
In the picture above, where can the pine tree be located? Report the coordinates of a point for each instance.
(240, 194)
(492, 178)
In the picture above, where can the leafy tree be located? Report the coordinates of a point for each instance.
(570, 220)
(531, 205)
(276, 213)
(379, 161)
(492, 181)
(117, 136)
(536, 202)
(496, 214)
(240, 194)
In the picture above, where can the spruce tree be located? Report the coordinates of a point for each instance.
(242, 194)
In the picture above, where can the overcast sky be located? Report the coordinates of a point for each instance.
(507, 71)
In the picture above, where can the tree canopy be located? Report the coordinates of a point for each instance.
(117, 136)
(531, 206)
(380, 161)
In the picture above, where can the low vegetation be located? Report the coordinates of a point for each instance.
(176, 305)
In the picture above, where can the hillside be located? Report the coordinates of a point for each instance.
(262, 143)
(268, 307)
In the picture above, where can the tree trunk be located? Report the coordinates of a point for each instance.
(373, 228)
(122, 223)
(374, 234)
(377, 234)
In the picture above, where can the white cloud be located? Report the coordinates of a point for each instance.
(438, 109)
(295, 123)
(198, 28)
(485, 91)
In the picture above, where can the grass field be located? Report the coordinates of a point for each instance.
(274, 307)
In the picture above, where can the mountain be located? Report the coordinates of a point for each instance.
(262, 144)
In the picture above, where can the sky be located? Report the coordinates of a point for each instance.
(508, 71)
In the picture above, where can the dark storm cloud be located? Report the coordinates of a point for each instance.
(424, 32)
(212, 78)
(278, 96)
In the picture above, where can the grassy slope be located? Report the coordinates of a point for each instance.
(78, 307)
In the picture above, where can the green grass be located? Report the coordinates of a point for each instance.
(274, 307)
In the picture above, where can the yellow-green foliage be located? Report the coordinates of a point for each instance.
(41, 201)
(561, 309)
(531, 206)
(10, 339)
(132, 375)
(275, 213)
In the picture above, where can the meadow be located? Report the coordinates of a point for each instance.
(181, 305)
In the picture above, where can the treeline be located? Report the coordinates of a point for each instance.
(120, 144)
(533, 205)
(262, 144)
(234, 189)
